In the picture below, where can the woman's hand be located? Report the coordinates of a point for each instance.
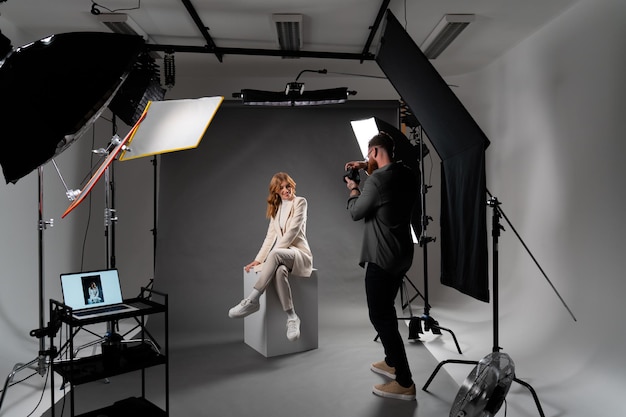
(251, 265)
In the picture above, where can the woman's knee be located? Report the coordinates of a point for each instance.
(282, 271)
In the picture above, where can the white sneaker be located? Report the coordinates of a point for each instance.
(293, 329)
(243, 309)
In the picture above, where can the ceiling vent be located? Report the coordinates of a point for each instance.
(288, 31)
(450, 26)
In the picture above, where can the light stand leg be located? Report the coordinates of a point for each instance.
(533, 393)
(440, 365)
(406, 303)
(16, 369)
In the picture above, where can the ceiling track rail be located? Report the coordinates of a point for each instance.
(374, 27)
(202, 28)
(259, 52)
(212, 48)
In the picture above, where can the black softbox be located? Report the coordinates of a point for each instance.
(51, 89)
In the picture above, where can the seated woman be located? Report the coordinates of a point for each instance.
(94, 294)
(284, 250)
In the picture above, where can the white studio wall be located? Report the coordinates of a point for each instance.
(552, 110)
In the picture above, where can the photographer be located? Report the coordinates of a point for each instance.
(385, 204)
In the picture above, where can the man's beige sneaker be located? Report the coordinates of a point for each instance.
(384, 369)
(394, 390)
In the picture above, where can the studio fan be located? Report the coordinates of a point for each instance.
(485, 388)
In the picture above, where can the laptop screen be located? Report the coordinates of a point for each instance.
(91, 289)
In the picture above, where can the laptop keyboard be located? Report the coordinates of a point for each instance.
(100, 310)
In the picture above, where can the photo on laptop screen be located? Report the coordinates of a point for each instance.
(86, 291)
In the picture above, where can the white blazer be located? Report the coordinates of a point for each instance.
(293, 237)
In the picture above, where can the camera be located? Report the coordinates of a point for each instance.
(352, 174)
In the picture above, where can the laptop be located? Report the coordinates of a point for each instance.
(93, 294)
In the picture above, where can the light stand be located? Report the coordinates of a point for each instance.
(429, 322)
(155, 201)
(415, 323)
(496, 228)
(110, 215)
(112, 339)
(39, 363)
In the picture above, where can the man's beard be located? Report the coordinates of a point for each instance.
(372, 166)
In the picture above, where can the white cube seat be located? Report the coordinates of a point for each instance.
(266, 330)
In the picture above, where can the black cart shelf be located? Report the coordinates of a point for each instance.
(118, 356)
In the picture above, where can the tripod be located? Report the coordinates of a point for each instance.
(39, 364)
(496, 228)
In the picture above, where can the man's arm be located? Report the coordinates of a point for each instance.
(365, 204)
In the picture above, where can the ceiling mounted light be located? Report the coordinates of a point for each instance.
(294, 95)
(450, 26)
(288, 31)
(125, 25)
(121, 23)
(294, 98)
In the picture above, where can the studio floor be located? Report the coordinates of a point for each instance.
(230, 378)
(209, 376)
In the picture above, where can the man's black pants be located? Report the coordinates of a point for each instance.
(381, 289)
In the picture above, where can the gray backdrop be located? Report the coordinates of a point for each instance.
(212, 203)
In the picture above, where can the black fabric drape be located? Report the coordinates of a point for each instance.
(464, 258)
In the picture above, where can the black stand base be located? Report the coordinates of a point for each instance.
(38, 364)
(430, 324)
(525, 384)
(41, 362)
(415, 323)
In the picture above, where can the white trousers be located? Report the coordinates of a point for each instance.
(276, 268)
